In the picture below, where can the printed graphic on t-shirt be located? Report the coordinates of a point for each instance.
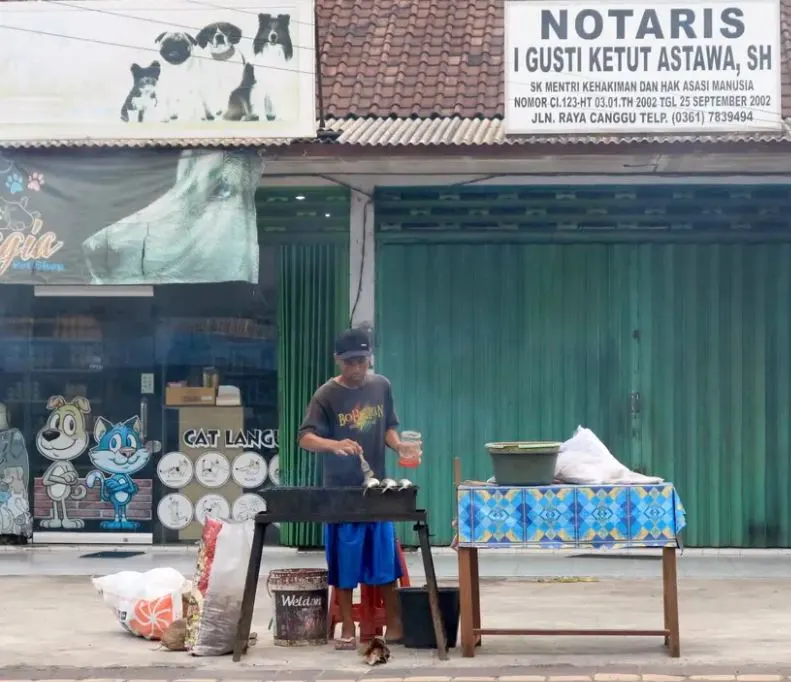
(361, 418)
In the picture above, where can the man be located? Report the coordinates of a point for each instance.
(351, 414)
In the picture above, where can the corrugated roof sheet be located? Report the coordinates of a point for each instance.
(457, 131)
(422, 132)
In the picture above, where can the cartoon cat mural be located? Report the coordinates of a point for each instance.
(120, 453)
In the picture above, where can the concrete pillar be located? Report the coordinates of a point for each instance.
(362, 257)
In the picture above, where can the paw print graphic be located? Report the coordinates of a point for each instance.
(15, 183)
(35, 181)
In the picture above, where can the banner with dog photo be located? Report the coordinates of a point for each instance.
(128, 216)
(157, 71)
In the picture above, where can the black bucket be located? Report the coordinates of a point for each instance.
(301, 600)
(416, 616)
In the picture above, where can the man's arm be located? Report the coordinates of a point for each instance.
(392, 439)
(314, 443)
(315, 429)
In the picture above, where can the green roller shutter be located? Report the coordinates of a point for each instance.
(312, 310)
(502, 342)
(657, 316)
(715, 364)
(311, 228)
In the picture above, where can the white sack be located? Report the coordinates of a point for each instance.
(585, 460)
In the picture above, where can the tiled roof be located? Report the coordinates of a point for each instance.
(427, 58)
(408, 57)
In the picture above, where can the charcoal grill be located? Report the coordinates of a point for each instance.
(319, 503)
(337, 505)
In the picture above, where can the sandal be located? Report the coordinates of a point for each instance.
(346, 644)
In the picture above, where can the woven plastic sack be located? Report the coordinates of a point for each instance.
(216, 600)
(145, 604)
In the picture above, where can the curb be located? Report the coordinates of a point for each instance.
(441, 551)
(272, 676)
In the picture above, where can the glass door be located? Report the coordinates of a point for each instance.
(94, 419)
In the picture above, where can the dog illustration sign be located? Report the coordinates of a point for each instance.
(172, 70)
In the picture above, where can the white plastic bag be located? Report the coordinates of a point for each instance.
(145, 604)
(585, 460)
(216, 600)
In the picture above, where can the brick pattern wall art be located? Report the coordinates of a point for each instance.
(91, 507)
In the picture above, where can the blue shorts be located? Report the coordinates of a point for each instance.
(361, 554)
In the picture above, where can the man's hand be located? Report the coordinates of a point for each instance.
(348, 447)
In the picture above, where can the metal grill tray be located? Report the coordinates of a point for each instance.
(322, 502)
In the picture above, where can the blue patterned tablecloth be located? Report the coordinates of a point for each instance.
(569, 516)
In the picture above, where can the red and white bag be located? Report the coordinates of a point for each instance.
(145, 604)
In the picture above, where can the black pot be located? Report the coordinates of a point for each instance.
(416, 616)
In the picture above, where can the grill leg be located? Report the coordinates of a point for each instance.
(248, 599)
(433, 593)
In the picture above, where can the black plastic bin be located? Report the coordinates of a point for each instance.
(416, 616)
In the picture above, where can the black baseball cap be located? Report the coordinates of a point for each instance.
(353, 343)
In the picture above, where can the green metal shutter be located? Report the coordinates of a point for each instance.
(313, 304)
(502, 342)
(716, 376)
(309, 226)
(681, 295)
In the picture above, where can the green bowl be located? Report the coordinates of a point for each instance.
(518, 447)
(524, 463)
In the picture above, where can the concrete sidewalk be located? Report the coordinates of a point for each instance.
(728, 626)
(501, 563)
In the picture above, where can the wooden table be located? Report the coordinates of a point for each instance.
(262, 521)
(552, 517)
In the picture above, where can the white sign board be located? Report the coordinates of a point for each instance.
(157, 70)
(633, 67)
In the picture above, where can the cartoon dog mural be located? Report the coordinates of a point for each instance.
(62, 439)
(119, 452)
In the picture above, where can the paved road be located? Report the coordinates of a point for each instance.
(436, 673)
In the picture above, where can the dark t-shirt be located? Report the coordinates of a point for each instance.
(361, 414)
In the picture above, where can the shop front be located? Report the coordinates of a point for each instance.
(137, 416)
(128, 414)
